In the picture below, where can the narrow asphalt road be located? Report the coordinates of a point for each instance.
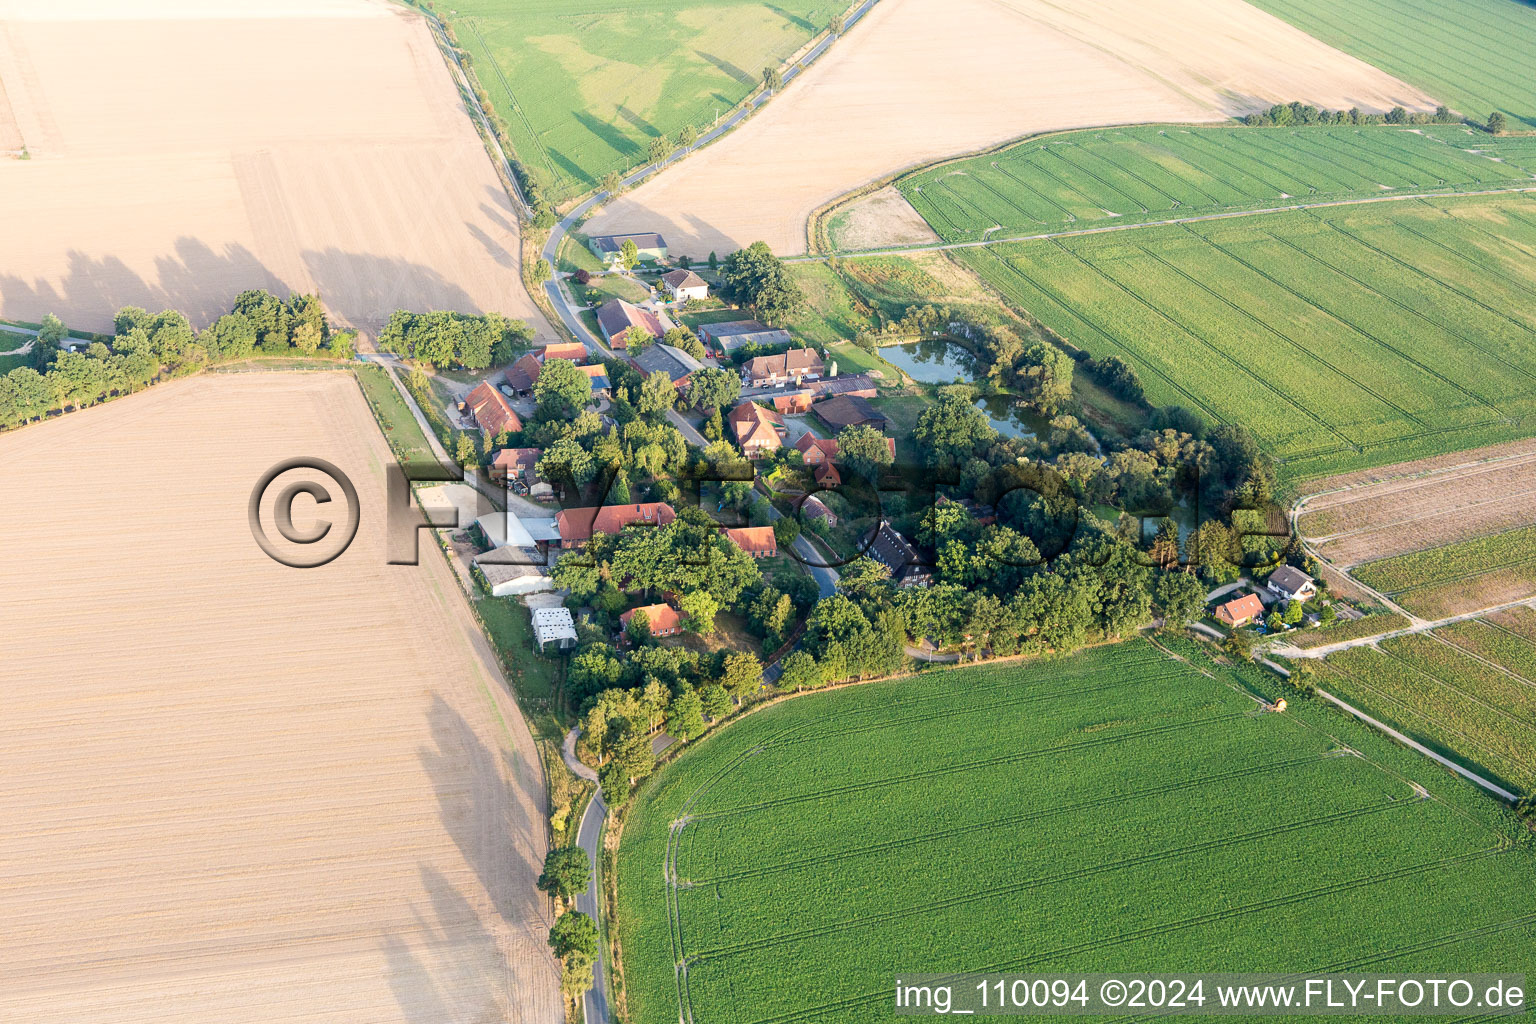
(589, 836)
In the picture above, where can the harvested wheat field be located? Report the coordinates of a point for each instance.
(182, 152)
(917, 80)
(1430, 509)
(236, 791)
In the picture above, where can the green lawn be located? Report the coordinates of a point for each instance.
(1343, 338)
(1476, 713)
(10, 362)
(1086, 179)
(831, 314)
(1473, 54)
(852, 359)
(509, 624)
(400, 428)
(584, 85)
(610, 286)
(1104, 812)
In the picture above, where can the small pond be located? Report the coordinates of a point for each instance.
(935, 361)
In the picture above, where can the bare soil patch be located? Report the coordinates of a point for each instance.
(918, 80)
(1517, 620)
(1458, 597)
(236, 791)
(1405, 514)
(882, 218)
(183, 152)
(1416, 468)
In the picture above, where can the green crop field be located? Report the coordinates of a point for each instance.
(1111, 811)
(1347, 337)
(1480, 714)
(584, 85)
(1472, 54)
(1086, 179)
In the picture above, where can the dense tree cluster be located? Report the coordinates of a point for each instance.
(689, 557)
(1298, 113)
(446, 339)
(146, 346)
(757, 279)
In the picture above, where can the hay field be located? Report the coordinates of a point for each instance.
(922, 79)
(181, 153)
(235, 791)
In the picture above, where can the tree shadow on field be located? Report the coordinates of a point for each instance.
(493, 248)
(434, 979)
(196, 279)
(611, 137)
(358, 289)
(480, 807)
(727, 68)
(793, 18)
(362, 290)
(640, 124)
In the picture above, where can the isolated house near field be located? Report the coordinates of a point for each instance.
(725, 338)
(892, 550)
(678, 366)
(577, 525)
(843, 411)
(490, 410)
(615, 317)
(683, 285)
(1292, 584)
(662, 619)
(757, 429)
(757, 541)
(1241, 611)
(610, 248)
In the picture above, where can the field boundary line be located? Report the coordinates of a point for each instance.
(1490, 663)
(1195, 219)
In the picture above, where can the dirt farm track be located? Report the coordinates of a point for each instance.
(236, 791)
(181, 152)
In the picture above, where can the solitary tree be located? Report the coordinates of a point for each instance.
(773, 79)
(1496, 123)
(1293, 613)
(837, 25)
(629, 254)
(659, 149)
(567, 872)
(687, 137)
(611, 182)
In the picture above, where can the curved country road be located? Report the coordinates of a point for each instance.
(589, 836)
